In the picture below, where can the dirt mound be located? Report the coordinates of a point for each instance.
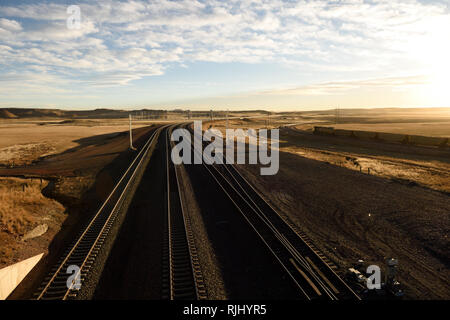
(5, 114)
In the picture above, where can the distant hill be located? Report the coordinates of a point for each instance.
(21, 113)
(9, 113)
(5, 114)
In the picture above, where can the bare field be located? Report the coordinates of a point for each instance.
(431, 129)
(380, 115)
(433, 122)
(364, 199)
(22, 142)
(351, 215)
(354, 198)
(428, 167)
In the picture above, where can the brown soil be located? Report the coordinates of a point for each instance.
(352, 215)
(23, 142)
(424, 166)
(433, 129)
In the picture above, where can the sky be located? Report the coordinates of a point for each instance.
(276, 55)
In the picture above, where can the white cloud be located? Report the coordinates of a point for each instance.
(120, 41)
(10, 25)
(398, 83)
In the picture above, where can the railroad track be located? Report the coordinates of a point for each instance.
(78, 259)
(182, 275)
(303, 262)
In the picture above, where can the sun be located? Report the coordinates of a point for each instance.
(432, 51)
(439, 89)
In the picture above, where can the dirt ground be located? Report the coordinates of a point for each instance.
(67, 177)
(364, 199)
(400, 209)
(353, 215)
(430, 129)
(428, 167)
(25, 141)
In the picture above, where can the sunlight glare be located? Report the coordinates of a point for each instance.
(432, 50)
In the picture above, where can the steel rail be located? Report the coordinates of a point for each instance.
(185, 274)
(292, 228)
(88, 244)
(305, 262)
(270, 247)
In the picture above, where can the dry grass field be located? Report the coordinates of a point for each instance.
(22, 208)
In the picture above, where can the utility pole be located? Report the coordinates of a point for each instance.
(211, 115)
(131, 135)
(226, 116)
(337, 115)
